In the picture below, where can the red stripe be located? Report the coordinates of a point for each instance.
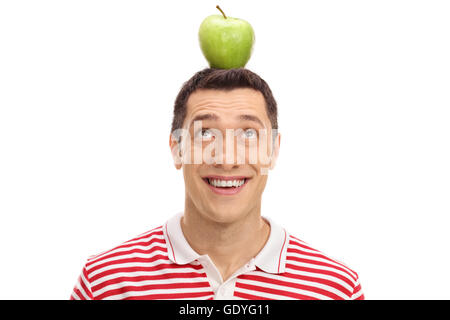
(281, 253)
(128, 260)
(132, 250)
(105, 255)
(159, 267)
(158, 286)
(318, 280)
(321, 255)
(148, 234)
(87, 293)
(300, 243)
(274, 291)
(293, 285)
(305, 253)
(79, 294)
(128, 244)
(171, 296)
(137, 250)
(356, 291)
(319, 271)
(320, 263)
(85, 289)
(249, 296)
(175, 275)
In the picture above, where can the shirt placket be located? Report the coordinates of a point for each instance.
(223, 290)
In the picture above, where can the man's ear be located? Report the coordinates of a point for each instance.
(275, 150)
(175, 150)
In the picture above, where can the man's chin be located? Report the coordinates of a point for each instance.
(225, 215)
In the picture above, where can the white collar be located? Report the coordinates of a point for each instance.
(271, 259)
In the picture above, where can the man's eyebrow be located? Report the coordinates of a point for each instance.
(249, 117)
(206, 116)
(214, 117)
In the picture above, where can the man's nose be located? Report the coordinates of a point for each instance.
(231, 155)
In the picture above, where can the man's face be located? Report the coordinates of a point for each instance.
(227, 152)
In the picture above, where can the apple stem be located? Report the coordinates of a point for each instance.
(221, 11)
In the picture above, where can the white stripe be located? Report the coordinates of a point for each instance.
(306, 250)
(284, 288)
(357, 295)
(319, 267)
(130, 265)
(206, 297)
(300, 282)
(263, 294)
(142, 235)
(83, 293)
(75, 296)
(80, 287)
(141, 283)
(321, 276)
(159, 291)
(128, 247)
(319, 259)
(146, 239)
(295, 244)
(128, 255)
(144, 273)
(333, 261)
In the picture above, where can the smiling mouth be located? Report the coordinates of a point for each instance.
(226, 185)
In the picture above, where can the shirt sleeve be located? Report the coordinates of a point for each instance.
(82, 289)
(357, 291)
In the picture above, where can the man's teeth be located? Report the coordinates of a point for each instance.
(226, 183)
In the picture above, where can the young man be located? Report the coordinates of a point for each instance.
(224, 138)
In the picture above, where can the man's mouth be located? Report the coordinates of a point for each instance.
(226, 185)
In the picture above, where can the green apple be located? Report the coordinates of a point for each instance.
(226, 42)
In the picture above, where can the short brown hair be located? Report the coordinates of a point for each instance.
(223, 79)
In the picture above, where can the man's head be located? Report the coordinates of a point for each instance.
(224, 132)
(223, 79)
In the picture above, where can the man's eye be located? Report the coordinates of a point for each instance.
(250, 134)
(205, 134)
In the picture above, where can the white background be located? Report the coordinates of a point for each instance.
(86, 100)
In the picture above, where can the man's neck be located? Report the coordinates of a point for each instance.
(229, 245)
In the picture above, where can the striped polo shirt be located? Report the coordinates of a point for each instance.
(160, 264)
